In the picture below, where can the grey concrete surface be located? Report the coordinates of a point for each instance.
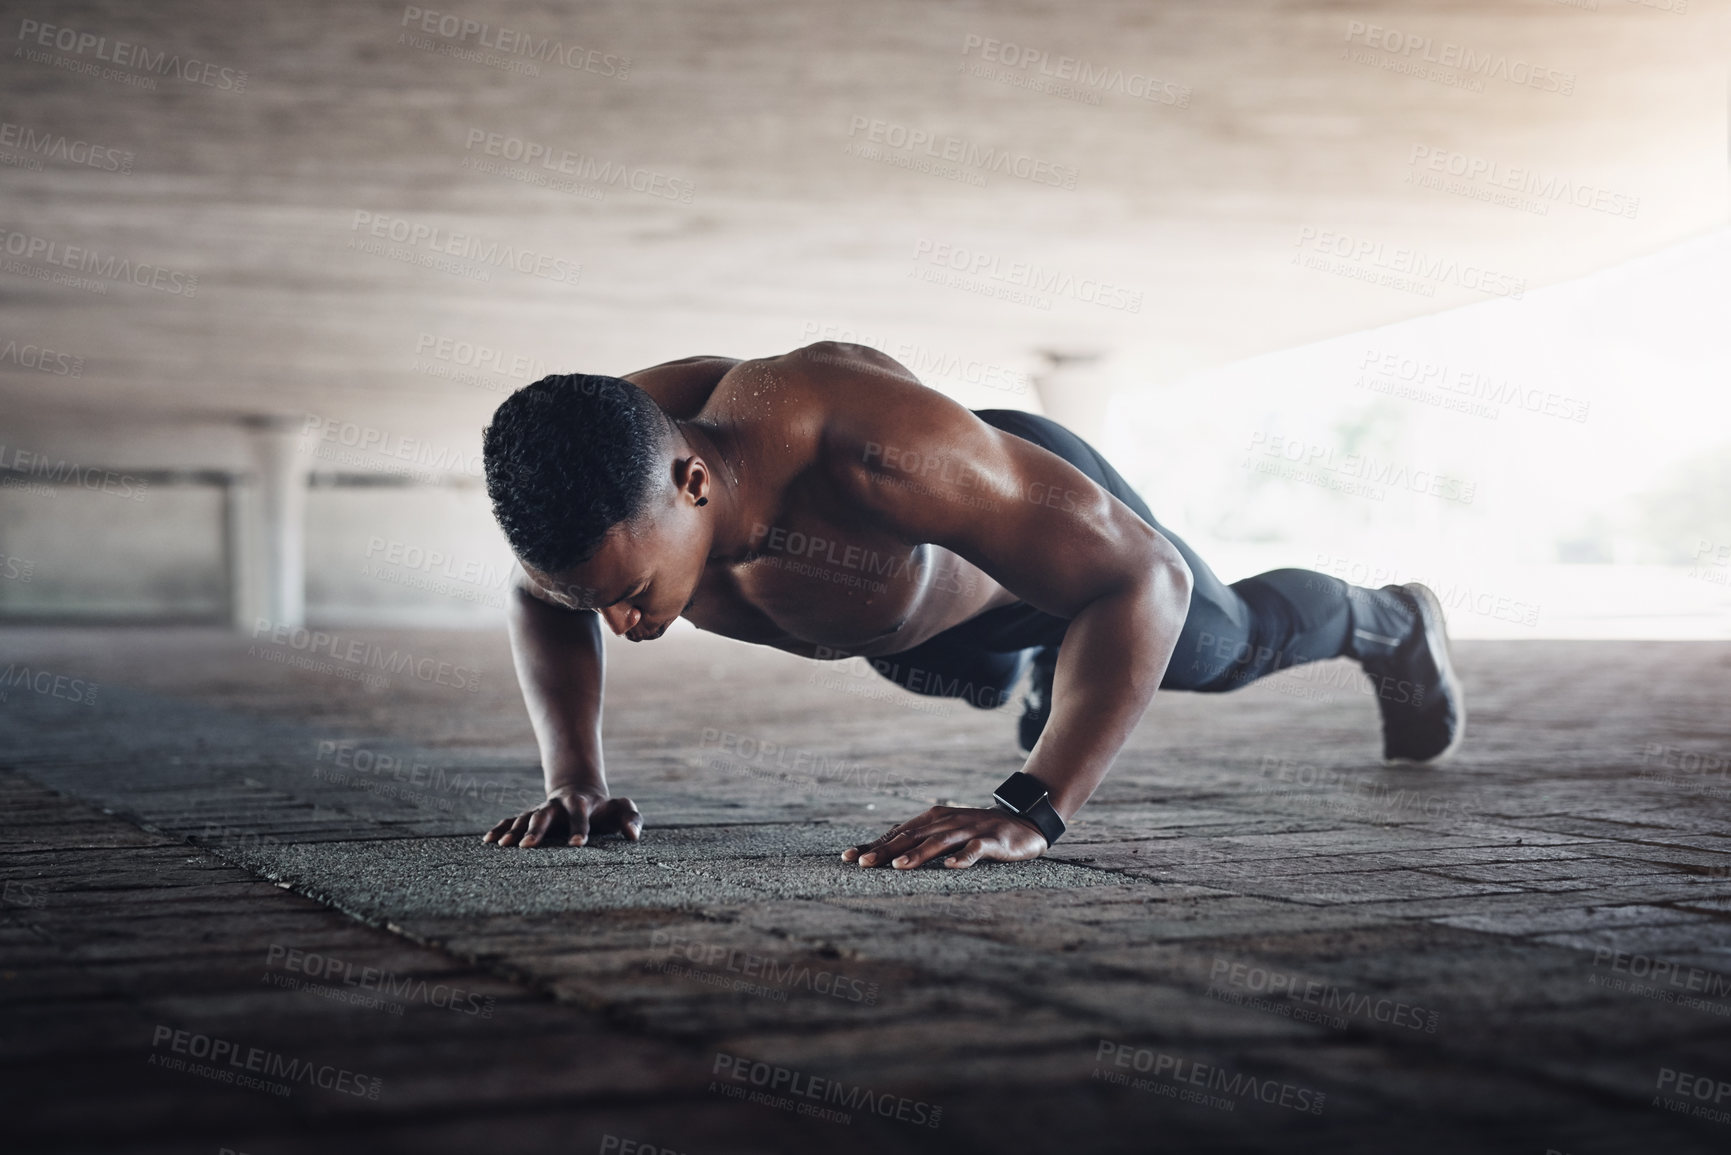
(1463, 937)
(691, 868)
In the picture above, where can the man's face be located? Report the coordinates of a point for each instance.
(643, 577)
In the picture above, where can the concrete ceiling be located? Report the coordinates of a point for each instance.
(1276, 128)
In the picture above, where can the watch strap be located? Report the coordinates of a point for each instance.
(1040, 812)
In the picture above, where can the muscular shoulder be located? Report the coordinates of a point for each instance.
(854, 413)
(683, 387)
(883, 431)
(812, 390)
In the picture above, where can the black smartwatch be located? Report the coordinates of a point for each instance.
(1027, 797)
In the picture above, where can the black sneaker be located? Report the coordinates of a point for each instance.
(1037, 702)
(1424, 713)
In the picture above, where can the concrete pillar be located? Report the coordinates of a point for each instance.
(266, 530)
(1075, 393)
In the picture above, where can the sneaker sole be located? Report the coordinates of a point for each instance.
(1436, 637)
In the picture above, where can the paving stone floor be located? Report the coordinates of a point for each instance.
(214, 856)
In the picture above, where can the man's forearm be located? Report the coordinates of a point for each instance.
(1112, 660)
(558, 656)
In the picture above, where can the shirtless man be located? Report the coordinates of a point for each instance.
(826, 503)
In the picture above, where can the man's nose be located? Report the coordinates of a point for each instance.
(621, 619)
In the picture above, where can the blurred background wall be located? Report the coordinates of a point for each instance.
(1433, 289)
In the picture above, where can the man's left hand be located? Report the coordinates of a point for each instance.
(967, 833)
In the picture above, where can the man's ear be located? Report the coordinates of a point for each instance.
(691, 476)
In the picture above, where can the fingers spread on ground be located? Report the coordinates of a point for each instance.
(518, 825)
(854, 852)
(630, 819)
(968, 855)
(888, 850)
(925, 850)
(911, 826)
(538, 826)
(500, 828)
(622, 815)
(579, 811)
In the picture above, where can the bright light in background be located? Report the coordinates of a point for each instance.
(1556, 466)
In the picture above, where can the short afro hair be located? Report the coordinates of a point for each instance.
(567, 459)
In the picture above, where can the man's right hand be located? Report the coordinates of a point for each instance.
(569, 817)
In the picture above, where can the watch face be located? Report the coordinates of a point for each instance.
(1020, 791)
